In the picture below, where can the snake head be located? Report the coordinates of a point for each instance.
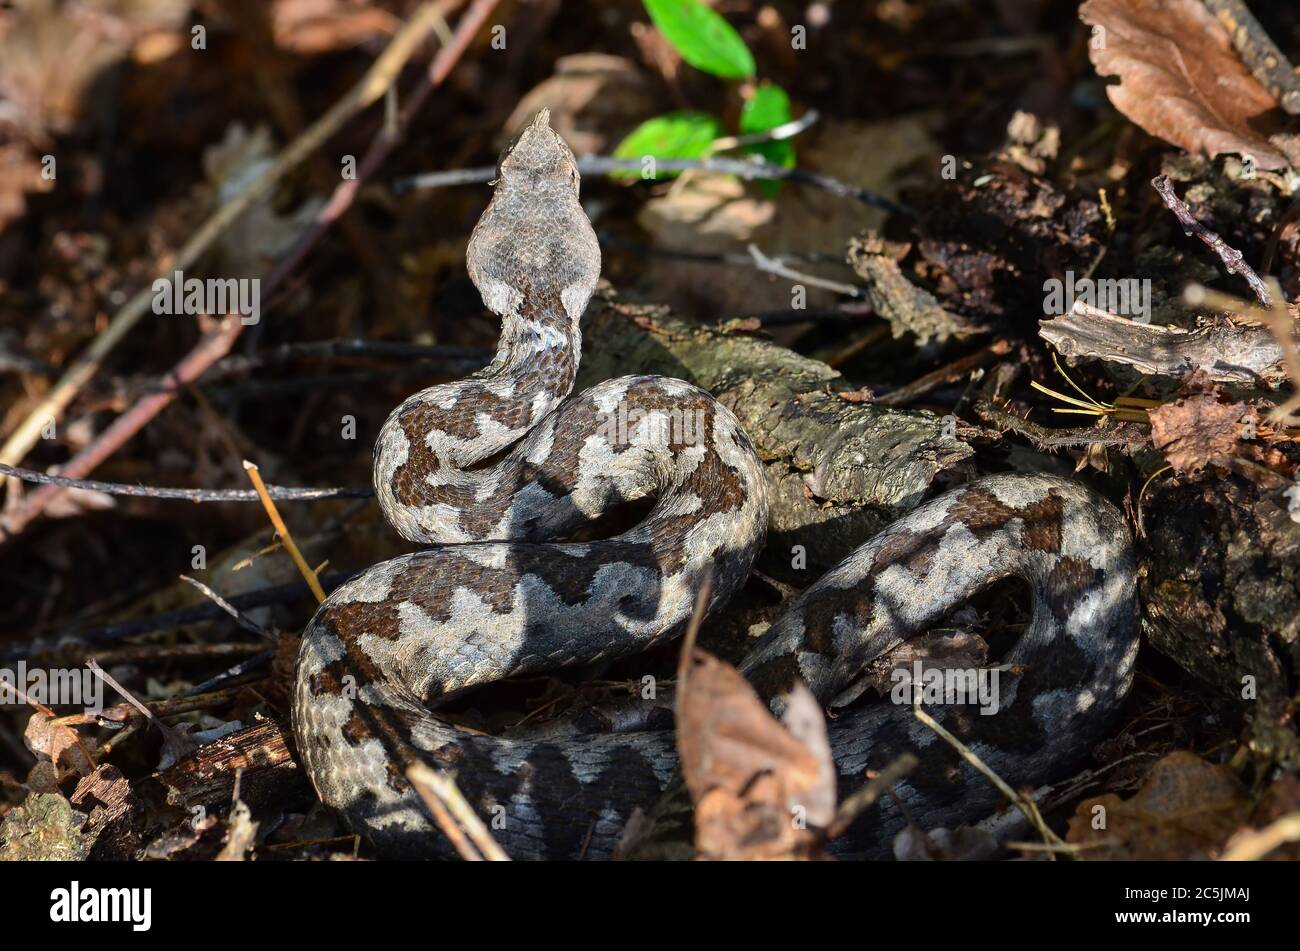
(538, 154)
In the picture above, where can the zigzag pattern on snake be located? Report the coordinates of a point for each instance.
(494, 471)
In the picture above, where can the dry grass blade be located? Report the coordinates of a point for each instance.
(1026, 805)
(454, 816)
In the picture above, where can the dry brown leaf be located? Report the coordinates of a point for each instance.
(57, 743)
(1197, 429)
(1181, 79)
(1186, 809)
(760, 789)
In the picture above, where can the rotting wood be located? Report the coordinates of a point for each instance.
(1245, 355)
(207, 778)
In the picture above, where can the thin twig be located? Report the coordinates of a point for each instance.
(1026, 805)
(778, 267)
(1232, 258)
(281, 493)
(750, 168)
(66, 644)
(1277, 318)
(210, 348)
(946, 374)
(230, 673)
(787, 130)
(137, 653)
(687, 653)
(342, 348)
(174, 740)
(241, 619)
(862, 799)
(1258, 51)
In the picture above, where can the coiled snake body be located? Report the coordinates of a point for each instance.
(489, 470)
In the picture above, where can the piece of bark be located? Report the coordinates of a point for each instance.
(1220, 584)
(996, 232)
(838, 471)
(115, 814)
(1248, 355)
(908, 308)
(1258, 51)
(207, 777)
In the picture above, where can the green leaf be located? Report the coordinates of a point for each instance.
(768, 108)
(703, 37)
(677, 135)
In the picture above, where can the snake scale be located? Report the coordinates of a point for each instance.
(492, 473)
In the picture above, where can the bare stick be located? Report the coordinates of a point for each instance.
(1227, 354)
(342, 348)
(687, 653)
(211, 348)
(947, 374)
(67, 643)
(1259, 52)
(1232, 258)
(230, 673)
(778, 267)
(174, 741)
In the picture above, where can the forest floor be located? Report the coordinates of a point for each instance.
(1030, 236)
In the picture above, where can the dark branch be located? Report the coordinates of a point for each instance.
(1232, 258)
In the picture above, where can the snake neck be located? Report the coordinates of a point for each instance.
(427, 449)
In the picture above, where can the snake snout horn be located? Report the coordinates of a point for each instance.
(538, 150)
